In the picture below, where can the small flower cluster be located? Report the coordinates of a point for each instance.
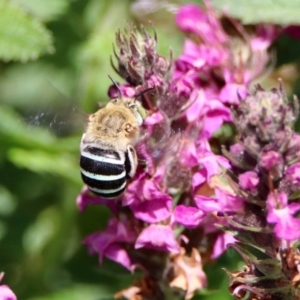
(164, 223)
(265, 163)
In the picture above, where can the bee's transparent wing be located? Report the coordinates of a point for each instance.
(62, 121)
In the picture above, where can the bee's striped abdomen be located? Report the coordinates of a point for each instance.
(103, 171)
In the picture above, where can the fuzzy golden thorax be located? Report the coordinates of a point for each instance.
(115, 124)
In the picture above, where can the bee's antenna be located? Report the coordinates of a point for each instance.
(116, 85)
(144, 92)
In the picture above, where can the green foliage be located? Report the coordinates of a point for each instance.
(22, 36)
(45, 13)
(257, 11)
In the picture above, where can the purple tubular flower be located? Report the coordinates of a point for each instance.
(292, 177)
(212, 64)
(224, 202)
(6, 293)
(248, 181)
(158, 237)
(265, 177)
(147, 201)
(85, 198)
(191, 18)
(282, 214)
(273, 162)
(221, 243)
(189, 217)
(109, 242)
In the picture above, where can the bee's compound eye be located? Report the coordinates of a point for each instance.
(132, 106)
(128, 127)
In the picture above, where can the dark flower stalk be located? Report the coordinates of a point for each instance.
(164, 224)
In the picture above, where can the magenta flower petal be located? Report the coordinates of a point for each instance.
(248, 181)
(159, 237)
(191, 18)
(86, 198)
(153, 119)
(147, 201)
(188, 216)
(287, 227)
(119, 255)
(194, 111)
(207, 204)
(281, 214)
(216, 114)
(224, 202)
(221, 243)
(292, 175)
(190, 15)
(213, 164)
(116, 232)
(152, 211)
(6, 293)
(191, 56)
(189, 155)
(229, 202)
(198, 179)
(270, 160)
(232, 92)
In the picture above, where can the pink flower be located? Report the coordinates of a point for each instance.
(224, 202)
(292, 174)
(86, 198)
(110, 242)
(212, 65)
(5, 292)
(191, 18)
(282, 214)
(158, 237)
(188, 216)
(273, 162)
(211, 165)
(248, 181)
(147, 201)
(220, 245)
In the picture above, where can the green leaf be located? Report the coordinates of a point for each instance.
(40, 232)
(7, 202)
(17, 132)
(257, 11)
(63, 165)
(79, 292)
(45, 11)
(22, 37)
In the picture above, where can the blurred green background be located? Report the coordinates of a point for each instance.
(43, 104)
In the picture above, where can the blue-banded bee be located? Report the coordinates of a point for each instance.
(108, 157)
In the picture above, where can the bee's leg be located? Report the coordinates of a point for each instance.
(131, 161)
